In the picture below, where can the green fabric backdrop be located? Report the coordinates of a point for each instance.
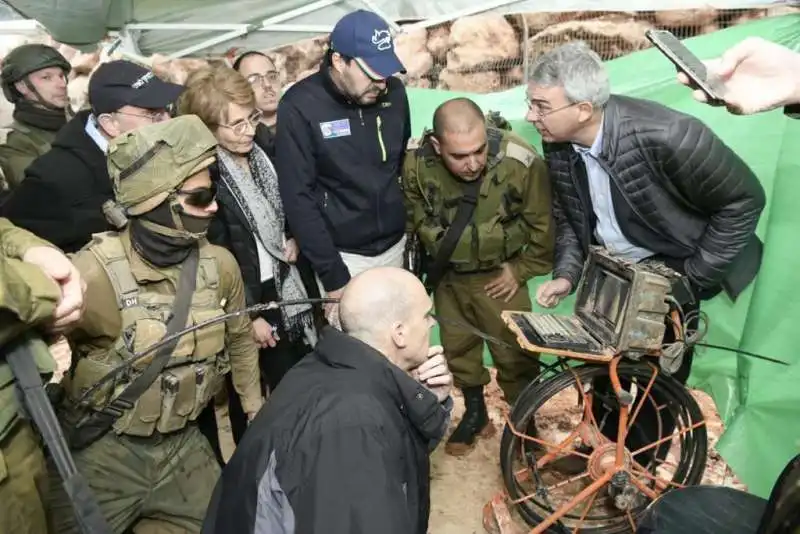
(759, 401)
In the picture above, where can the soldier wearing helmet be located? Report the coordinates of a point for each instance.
(61, 197)
(143, 455)
(34, 79)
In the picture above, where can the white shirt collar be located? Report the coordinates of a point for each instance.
(93, 131)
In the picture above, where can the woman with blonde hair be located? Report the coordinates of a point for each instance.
(251, 224)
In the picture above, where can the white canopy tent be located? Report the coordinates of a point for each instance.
(211, 27)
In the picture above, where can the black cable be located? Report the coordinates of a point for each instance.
(743, 352)
(691, 337)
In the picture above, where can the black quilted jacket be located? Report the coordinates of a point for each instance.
(677, 190)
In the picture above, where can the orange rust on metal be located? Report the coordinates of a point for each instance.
(622, 431)
(538, 441)
(603, 460)
(664, 439)
(591, 489)
(497, 517)
(645, 395)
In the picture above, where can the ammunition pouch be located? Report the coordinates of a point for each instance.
(135, 393)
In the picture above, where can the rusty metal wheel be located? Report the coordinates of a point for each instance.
(559, 457)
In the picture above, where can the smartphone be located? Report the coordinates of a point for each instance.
(686, 62)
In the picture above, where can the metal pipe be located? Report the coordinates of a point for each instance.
(382, 14)
(481, 8)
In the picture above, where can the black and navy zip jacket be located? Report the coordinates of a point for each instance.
(339, 168)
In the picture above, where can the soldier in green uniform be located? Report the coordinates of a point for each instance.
(154, 471)
(508, 240)
(39, 288)
(34, 79)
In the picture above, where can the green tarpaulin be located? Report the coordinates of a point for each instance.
(759, 401)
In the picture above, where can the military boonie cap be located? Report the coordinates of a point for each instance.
(148, 163)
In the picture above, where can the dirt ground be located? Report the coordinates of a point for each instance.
(460, 487)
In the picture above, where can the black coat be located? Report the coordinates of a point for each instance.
(341, 448)
(61, 198)
(230, 229)
(677, 190)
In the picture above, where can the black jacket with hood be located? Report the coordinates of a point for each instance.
(341, 448)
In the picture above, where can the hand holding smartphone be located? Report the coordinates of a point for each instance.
(686, 62)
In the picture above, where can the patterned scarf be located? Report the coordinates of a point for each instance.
(257, 194)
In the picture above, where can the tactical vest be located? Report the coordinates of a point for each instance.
(497, 232)
(194, 373)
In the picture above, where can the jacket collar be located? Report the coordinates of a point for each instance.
(420, 406)
(610, 130)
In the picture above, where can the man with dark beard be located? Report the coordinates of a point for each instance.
(135, 437)
(342, 134)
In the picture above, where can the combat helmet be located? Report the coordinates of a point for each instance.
(26, 59)
(148, 164)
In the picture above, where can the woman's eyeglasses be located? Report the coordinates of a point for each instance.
(201, 197)
(240, 127)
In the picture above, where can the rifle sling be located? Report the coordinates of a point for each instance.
(36, 405)
(464, 211)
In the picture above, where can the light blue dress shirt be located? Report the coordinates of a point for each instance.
(607, 230)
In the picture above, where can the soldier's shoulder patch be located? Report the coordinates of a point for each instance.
(413, 143)
(524, 155)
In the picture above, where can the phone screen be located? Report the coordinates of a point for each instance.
(686, 61)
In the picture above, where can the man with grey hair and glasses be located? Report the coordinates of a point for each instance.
(643, 181)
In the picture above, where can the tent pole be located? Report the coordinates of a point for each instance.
(297, 12)
(227, 36)
(245, 29)
(382, 14)
(482, 8)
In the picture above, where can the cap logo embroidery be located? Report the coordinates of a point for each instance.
(142, 81)
(382, 39)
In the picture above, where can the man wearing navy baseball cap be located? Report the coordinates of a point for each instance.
(341, 136)
(62, 195)
(365, 37)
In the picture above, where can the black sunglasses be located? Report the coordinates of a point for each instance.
(201, 197)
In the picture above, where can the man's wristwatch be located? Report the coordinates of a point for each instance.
(792, 111)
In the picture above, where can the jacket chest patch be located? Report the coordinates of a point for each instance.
(334, 129)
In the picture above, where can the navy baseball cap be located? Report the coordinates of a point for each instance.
(123, 83)
(367, 38)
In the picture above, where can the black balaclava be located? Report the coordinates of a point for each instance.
(165, 235)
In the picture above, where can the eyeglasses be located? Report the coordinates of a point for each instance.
(539, 111)
(268, 78)
(155, 115)
(240, 127)
(201, 197)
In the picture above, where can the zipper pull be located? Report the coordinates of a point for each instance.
(361, 116)
(380, 138)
